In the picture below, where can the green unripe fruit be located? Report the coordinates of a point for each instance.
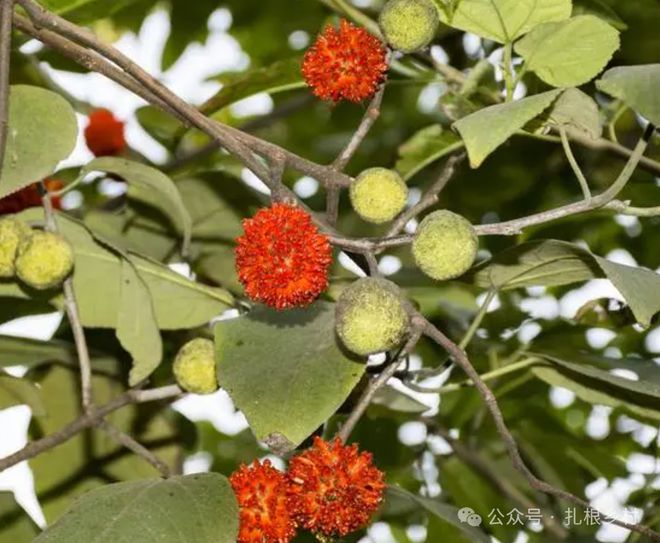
(194, 367)
(44, 260)
(371, 316)
(409, 25)
(445, 245)
(12, 234)
(378, 195)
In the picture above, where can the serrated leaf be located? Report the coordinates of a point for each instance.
(487, 129)
(569, 53)
(424, 148)
(198, 508)
(15, 391)
(309, 376)
(150, 186)
(637, 87)
(15, 524)
(42, 131)
(505, 20)
(137, 330)
(576, 111)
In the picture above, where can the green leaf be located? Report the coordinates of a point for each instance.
(505, 20)
(280, 76)
(309, 377)
(637, 87)
(487, 129)
(395, 400)
(443, 512)
(150, 186)
(15, 524)
(42, 131)
(552, 263)
(137, 330)
(14, 391)
(17, 351)
(424, 148)
(577, 112)
(198, 508)
(92, 458)
(599, 9)
(571, 52)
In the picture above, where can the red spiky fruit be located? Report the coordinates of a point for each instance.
(105, 133)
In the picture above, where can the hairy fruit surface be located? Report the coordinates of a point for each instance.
(445, 245)
(345, 63)
(333, 488)
(282, 259)
(194, 367)
(105, 133)
(261, 491)
(371, 316)
(12, 233)
(378, 195)
(44, 260)
(409, 25)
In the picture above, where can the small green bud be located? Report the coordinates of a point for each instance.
(409, 25)
(12, 234)
(445, 245)
(194, 367)
(378, 195)
(44, 260)
(371, 316)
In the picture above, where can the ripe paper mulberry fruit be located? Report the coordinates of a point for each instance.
(261, 491)
(445, 245)
(409, 25)
(105, 133)
(371, 316)
(345, 63)
(12, 234)
(194, 367)
(378, 195)
(44, 260)
(334, 489)
(282, 259)
(30, 197)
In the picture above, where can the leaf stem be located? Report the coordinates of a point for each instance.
(507, 68)
(584, 185)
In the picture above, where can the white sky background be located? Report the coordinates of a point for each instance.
(188, 79)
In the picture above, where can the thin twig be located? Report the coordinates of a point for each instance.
(88, 420)
(490, 401)
(136, 447)
(6, 9)
(584, 185)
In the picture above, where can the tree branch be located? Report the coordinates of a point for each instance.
(6, 9)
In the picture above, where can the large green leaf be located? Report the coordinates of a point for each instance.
(309, 377)
(42, 131)
(505, 20)
(424, 148)
(599, 9)
(571, 52)
(15, 524)
(150, 186)
(198, 508)
(15, 391)
(577, 112)
(18, 351)
(137, 329)
(92, 457)
(487, 129)
(552, 263)
(637, 87)
(278, 77)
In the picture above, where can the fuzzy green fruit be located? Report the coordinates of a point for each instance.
(371, 316)
(445, 245)
(378, 195)
(194, 367)
(44, 260)
(409, 25)
(12, 234)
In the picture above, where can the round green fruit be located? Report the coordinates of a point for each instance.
(12, 234)
(371, 316)
(445, 245)
(409, 25)
(44, 260)
(194, 367)
(378, 195)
